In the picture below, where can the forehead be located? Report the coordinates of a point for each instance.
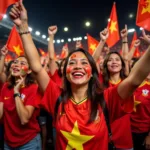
(77, 55)
(22, 59)
(114, 56)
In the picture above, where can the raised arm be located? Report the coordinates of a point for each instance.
(51, 50)
(138, 73)
(3, 54)
(103, 35)
(19, 16)
(132, 50)
(125, 48)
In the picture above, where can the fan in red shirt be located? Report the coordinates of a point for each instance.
(80, 121)
(19, 107)
(112, 74)
(140, 117)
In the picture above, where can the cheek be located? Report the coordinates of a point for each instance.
(24, 69)
(69, 69)
(89, 71)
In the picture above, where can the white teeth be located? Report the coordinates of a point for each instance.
(78, 74)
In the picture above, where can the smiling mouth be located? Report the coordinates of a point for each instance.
(78, 75)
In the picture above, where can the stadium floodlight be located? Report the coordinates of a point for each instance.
(131, 15)
(48, 39)
(37, 33)
(69, 40)
(109, 19)
(5, 16)
(79, 38)
(131, 30)
(62, 40)
(53, 41)
(58, 41)
(141, 28)
(87, 24)
(74, 39)
(30, 29)
(66, 29)
(85, 37)
(44, 36)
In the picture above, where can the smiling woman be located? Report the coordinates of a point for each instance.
(19, 108)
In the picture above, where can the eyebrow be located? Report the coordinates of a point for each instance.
(72, 59)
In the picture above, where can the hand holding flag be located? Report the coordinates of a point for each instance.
(124, 32)
(104, 34)
(4, 50)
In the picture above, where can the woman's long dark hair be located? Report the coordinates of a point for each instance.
(59, 69)
(28, 80)
(94, 87)
(106, 73)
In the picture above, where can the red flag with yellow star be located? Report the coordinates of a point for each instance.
(64, 52)
(14, 43)
(143, 14)
(42, 52)
(137, 52)
(113, 28)
(8, 58)
(92, 44)
(3, 6)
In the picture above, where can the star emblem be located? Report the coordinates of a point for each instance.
(147, 8)
(92, 47)
(75, 139)
(17, 50)
(113, 26)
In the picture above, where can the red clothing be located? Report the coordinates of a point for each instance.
(121, 129)
(15, 133)
(56, 78)
(73, 131)
(140, 118)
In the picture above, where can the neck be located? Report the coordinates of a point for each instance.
(114, 78)
(79, 92)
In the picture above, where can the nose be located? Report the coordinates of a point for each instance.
(78, 65)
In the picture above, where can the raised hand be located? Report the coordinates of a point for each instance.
(145, 37)
(137, 43)
(104, 34)
(124, 32)
(52, 30)
(4, 50)
(18, 13)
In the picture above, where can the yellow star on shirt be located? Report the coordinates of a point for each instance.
(147, 8)
(113, 26)
(135, 104)
(75, 139)
(17, 50)
(92, 47)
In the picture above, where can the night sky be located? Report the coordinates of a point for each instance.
(73, 14)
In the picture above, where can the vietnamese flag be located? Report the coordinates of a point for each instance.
(3, 6)
(8, 58)
(64, 52)
(113, 28)
(137, 52)
(42, 52)
(143, 14)
(14, 43)
(92, 44)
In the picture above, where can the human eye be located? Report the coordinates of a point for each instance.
(71, 62)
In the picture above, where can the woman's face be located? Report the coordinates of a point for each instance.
(20, 67)
(78, 70)
(114, 63)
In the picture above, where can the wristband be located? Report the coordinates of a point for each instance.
(125, 42)
(17, 95)
(26, 32)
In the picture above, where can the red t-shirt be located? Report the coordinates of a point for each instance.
(15, 133)
(73, 131)
(121, 128)
(56, 78)
(140, 118)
